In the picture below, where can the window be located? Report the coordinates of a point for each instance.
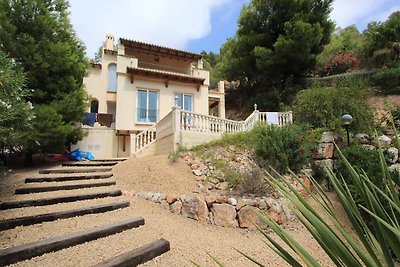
(94, 106)
(185, 102)
(112, 78)
(147, 106)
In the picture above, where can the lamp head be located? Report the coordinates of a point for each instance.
(346, 119)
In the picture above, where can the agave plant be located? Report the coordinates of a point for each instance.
(377, 241)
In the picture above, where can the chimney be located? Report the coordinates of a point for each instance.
(109, 42)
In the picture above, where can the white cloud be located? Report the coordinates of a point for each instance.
(361, 12)
(170, 23)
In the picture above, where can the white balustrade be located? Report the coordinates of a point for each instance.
(180, 120)
(144, 138)
(190, 121)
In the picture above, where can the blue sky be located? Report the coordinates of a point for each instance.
(191, 25)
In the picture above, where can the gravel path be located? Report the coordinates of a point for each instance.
(190, 240)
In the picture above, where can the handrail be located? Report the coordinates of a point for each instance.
(180, 121)
(144, 138)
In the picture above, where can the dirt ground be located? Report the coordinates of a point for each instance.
(190, 240)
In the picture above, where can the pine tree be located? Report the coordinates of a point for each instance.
(38, 35)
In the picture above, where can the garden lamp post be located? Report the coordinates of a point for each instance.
(346, 121)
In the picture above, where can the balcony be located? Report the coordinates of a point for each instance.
(166, 68)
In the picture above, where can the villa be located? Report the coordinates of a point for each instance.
(148, 99)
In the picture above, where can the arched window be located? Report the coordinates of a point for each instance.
(112, 77)
(94, 106)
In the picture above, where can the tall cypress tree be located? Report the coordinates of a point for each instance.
(38, 34)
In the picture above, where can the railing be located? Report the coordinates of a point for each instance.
(147, 65)
(180, 121)
(285, 118)
(250, 121)
(144, 138)
(190, 121)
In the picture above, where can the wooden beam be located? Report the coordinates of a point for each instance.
(55, 200)
(49, 171)
(53, 216)
(68, 178)
(138, 256)
(34, 249)
(28, 190)
(89, 163)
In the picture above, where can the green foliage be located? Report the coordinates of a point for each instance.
(388, 80)
(361, 159)
(210, 60)
(382, 42)
(340, 63)
(40, 37)
(50, 133)
(394, 118)
(231, 176)
(282, 148)
(348, 40)
(15, 112)
(253, 183)
(323, 106)
(276, 44)
(175, 155)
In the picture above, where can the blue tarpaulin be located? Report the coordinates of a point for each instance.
(79, 155)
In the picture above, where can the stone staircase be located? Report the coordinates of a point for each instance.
(75, 207)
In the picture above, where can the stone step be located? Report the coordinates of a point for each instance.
(28, 251)
(30, 220)
(56, 200)
(138, 256)
(89, 164)
(28, 190)
(68, 170)
(67, 178)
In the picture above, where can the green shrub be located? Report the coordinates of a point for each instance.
(253, 183)
(340, 63)
(362, 159)
(322, 106)
(388, 80)
(282, 147)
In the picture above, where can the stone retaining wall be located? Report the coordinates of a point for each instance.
(222, 210)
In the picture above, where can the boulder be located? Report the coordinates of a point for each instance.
(232, 201)
(215, 198)
(327, 137)
(171, 198)
(277, 217)
(385, 141)
(245, 202)
(392, 155)
(363, 138)
(248, 218)
(176, 207)
(395, 168)
(194, 208)
(369, 147)
(197, 172)
(325, 151)
(224, 215)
